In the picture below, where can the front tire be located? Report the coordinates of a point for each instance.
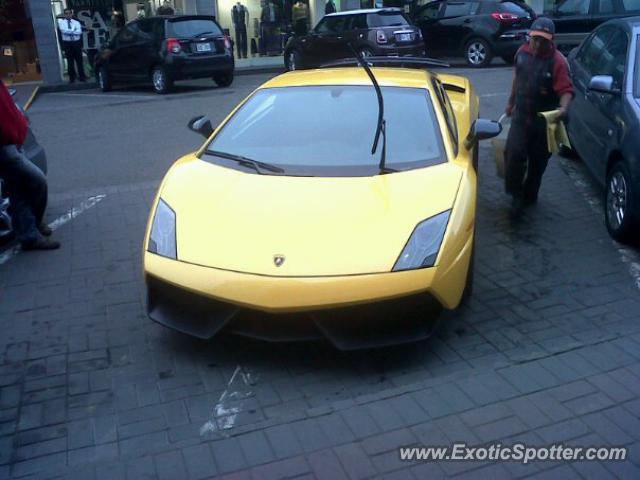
(619, 196)
(104, 80)
(223, 79)
(477, 53)
(162, 83)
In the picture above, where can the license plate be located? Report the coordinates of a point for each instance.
(203, 47)
(405, 37)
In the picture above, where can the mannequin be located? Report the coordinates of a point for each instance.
(329, 7)
(300, 16)
(240, 16)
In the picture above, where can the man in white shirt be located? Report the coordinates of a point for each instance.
(71, 32)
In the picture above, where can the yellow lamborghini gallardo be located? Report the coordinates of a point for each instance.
(336, 203)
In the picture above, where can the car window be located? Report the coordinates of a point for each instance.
(145, 29)
(457, 9)
(510, 7)
(613, 59)
(605, 6)
(336, 139)
(358, 21)
(385, 19)
(127, 35)
(429, 11)
(186, 28)
(589, 54)
(574, 7)
(332, 25)
(631, 6)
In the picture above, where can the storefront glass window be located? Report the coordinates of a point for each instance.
(18, 52)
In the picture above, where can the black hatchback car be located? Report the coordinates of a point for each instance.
(604, 119)
(477, 30)
(372, 32)
(166, 49)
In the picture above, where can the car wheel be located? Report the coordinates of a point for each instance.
(161, 81)
(293, 61)
(619, 214)
(224, 79)
(477, 53)
(104, 81)
(366, 52)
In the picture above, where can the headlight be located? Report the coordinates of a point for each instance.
(424, 244)
(163, 231)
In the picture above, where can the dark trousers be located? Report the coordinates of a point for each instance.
(73, 52)
(27, 188)
(241, 41)
(526, 158)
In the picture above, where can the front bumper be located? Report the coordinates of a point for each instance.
(388, 322)
(352, 311)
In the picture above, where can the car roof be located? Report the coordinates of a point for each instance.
(365, 10)
(389, 77)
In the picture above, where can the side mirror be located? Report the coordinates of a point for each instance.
(201, 125)
(482, 129)
(602, 84)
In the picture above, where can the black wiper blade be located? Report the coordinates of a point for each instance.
(257, 165)
(381, 128)
(201, 34)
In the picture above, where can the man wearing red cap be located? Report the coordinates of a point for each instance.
(541, 83)
(26, 184)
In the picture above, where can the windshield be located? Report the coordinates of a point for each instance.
(190, 28)
(383, 19)
(329, 130)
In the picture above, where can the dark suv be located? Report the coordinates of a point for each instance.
(379, 32)
(575, 19)
(165, 49)
(478, 30)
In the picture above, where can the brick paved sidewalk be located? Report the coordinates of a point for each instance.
(548, 350)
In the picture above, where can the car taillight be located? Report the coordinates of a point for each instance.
(381, 37)
(227, 42)
(173, 45)
(505, 17)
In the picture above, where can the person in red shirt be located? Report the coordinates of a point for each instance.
(541, 83)
(25, 183)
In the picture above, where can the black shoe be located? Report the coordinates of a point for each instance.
(41, 244)
(45, 230)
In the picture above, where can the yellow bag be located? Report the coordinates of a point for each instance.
(556, 131)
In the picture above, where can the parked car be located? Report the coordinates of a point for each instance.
(575, 19)
(164, 50)
(372, 32)
(475, 30)
(35, 153)
(402, 213)
(604, 118)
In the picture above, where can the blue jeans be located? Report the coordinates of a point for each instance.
(27, 188)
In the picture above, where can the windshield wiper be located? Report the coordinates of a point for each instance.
(255, 164)
(200, 34)
(381, 129)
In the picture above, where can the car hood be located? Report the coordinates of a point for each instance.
(239, 221)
